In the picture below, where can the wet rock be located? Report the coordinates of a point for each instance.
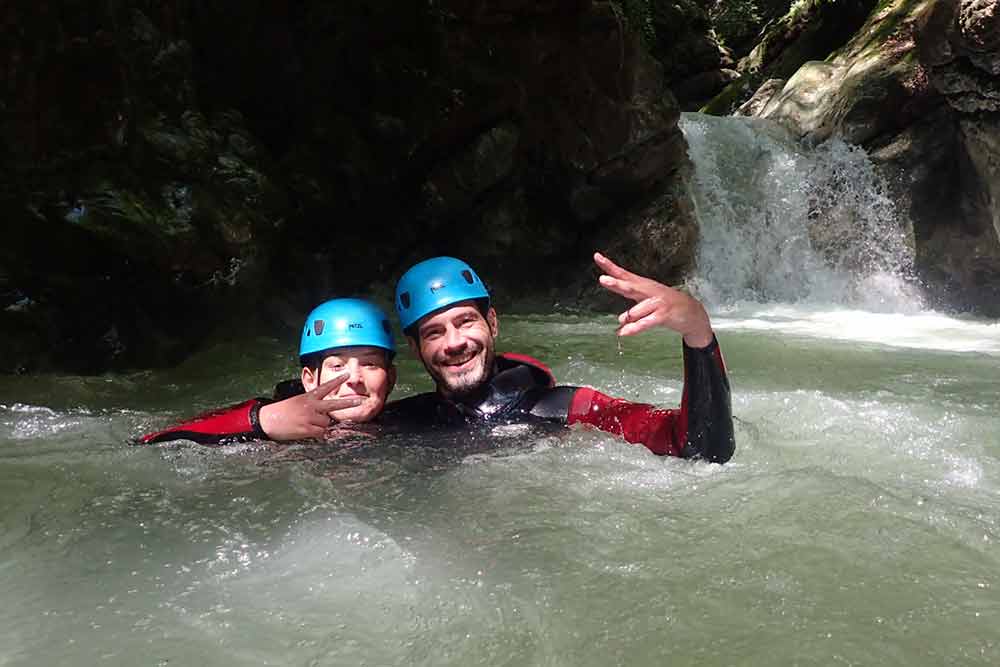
(178, 167)
(917, 87)
(457, 184)
(810, 31)
(760, 99)
(695, 65)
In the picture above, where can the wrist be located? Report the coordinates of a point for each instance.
(699, 340)
(262, 418)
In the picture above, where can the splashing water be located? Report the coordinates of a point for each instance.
(857, 523)
(783, 222)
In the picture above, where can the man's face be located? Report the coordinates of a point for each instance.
(371, 376)
(456, 347)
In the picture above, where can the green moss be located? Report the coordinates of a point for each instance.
(725, 102)
(875, 35)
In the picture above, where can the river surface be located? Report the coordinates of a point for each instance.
(857, 523)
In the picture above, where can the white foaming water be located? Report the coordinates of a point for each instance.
(855, 524)
(782, 222)
(857, 519)
(926, 330)
(805, 242)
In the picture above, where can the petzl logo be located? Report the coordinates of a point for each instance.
(355, 325)
(437, 285)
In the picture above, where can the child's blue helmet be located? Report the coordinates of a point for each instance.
(345, 323)
(433, 284)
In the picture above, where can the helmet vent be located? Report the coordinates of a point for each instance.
(385, 326)
(318, 327)
(404, 299)
(468, 276)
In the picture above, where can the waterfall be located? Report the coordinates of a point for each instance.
(782, 222)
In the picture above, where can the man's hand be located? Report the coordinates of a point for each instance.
(656, 305)
(306, 415)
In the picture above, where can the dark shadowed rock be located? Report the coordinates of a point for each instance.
(695, 65)
(191, 170)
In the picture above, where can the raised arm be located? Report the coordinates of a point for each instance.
(703, 426)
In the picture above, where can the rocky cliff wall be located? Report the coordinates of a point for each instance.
(180, 168)
(918, 87)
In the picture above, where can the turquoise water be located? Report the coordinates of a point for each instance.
(857, 523)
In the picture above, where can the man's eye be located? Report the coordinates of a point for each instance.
(336, 368)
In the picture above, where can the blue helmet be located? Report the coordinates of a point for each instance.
(433, 284)
(344, 323)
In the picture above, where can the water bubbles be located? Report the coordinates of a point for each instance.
(28, 422)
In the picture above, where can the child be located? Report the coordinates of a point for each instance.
(346, 352)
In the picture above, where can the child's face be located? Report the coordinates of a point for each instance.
(371, 376)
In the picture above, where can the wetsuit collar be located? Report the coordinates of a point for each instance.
(510, 378)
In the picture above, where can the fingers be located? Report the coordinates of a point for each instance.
(331, 385)
(308, 420)
(611, 268)
(641, 310)
(332, 404)
(317, 418)
(632, 328)
(644, 315)
(620, 287)
(621, 281)
(314, 432)
(292, 418)
(312, 424)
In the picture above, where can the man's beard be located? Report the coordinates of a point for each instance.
(462, 385)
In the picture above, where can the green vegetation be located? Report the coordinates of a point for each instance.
(731, 97)
(735, 22)
(638, 16)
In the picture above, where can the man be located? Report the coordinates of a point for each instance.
(346, 351)
(451, 326)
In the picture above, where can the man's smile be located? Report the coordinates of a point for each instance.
(461, 363)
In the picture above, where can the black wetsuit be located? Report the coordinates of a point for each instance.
(523, 389)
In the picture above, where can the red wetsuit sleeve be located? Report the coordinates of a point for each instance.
(701, 428)
(238, 422)
(659, 430)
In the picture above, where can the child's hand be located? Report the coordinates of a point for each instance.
(306, 415)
